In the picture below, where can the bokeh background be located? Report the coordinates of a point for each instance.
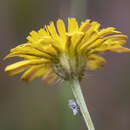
(38, 106)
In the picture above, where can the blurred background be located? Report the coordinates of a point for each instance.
(38, 106)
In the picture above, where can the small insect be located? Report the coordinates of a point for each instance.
(74, 106)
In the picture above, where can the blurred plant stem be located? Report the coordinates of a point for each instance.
(75, 85)
(78, 8)
(67, 120)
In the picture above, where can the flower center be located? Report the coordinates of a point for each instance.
(70, 67)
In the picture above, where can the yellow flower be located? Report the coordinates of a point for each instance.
(54, 52)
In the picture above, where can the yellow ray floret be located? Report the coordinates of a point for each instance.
(65, 52)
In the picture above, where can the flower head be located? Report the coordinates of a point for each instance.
(54, 52)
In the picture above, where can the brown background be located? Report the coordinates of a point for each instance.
(38, 106)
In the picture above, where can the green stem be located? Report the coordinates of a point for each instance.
(75, 85)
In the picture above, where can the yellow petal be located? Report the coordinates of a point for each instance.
(117, 37)
(51, 28)
(73, 41)
(117, 48)
(17, 67)
(85, 26)
(47, 72)
(50, 78)
(90, 35)
(96, 44)
(33, 36)
(43, 33)
(104, 32)
(31, 50)
(106, 42)
(19, 55)
(95, 61)
(34, 71)
(95, 25)
(21, 66)
(72, 25)
(36, 36)
(95, 41)
(61, 28)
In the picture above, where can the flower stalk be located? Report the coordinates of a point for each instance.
(75, 85)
